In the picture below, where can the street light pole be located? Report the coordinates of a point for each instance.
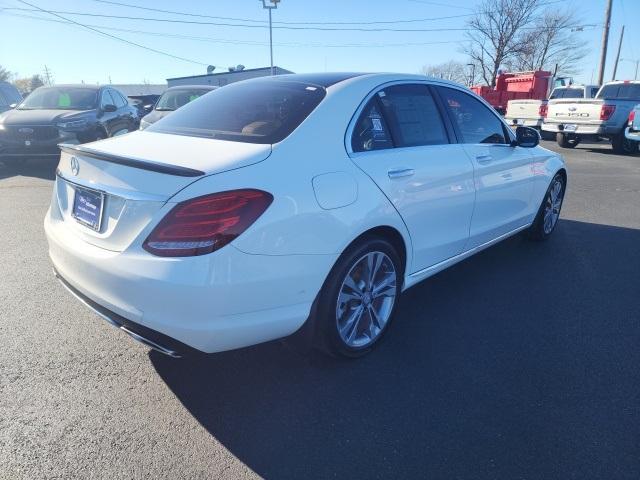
(270, 5)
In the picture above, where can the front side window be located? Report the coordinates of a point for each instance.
(371, 131)
(105, 99)
(117, 98)
(174, 99)
(262, 111)
(413, 116)
(476, 122)
(60, 98)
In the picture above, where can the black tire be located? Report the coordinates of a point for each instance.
(537, 229)
(547, 135)
(623, 146)
(566, 141)
(325, 322)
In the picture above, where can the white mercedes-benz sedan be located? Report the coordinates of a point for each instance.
(292, 201)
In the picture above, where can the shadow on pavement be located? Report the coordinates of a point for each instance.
(521, 362)
(44, 167)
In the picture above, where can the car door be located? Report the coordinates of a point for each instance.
(503, 172)
(122, 113)
(109, 120)
(402, 141)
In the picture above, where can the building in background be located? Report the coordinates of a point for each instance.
(224, 78)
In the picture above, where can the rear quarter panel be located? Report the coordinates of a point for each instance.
(296, 223)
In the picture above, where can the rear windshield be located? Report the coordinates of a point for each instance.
(255, 111)
(61, 98)
(628, 91)
(174, 99)
(567, 93)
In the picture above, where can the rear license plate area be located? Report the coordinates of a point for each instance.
(87, 207)
(570, 128)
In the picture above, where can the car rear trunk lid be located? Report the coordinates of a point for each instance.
(135, 175)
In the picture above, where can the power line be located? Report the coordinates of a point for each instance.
(242, 42)
(288, 27)
(110, 35)
(249, 20)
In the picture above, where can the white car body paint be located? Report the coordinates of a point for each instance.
(262, 286)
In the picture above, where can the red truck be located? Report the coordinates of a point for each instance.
(516, 86)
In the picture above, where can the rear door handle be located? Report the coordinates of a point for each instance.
(401, 172)
(484, 158)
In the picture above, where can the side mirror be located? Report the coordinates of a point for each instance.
(109, 108)
(527, 137)
(13, 105)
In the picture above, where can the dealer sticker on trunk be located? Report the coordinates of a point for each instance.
(87, 207)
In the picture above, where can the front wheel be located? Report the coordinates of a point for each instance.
(359, 298)
(549, 212)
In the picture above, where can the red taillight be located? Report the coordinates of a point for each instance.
(606, 111)
(542, 111)
(632, 116)
(205, 224)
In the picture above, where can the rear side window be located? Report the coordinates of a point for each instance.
(3, 101)
(476, 122)
(371, 131)
(413, 116)
(255, 111)
(567, 93)
(624, 91)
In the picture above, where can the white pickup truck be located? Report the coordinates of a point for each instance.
(531, 113)
(605, 117)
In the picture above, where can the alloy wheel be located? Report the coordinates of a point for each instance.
(553, 205)
(366, 299)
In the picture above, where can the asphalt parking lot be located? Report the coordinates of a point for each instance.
(519, 363)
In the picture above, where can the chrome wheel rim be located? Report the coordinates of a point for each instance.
(553, 205)
(365, 299)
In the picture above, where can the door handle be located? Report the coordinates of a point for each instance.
(484, 158)
(401, 172)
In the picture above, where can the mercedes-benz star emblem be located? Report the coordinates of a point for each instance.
(75, 166)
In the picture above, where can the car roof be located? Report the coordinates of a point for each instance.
(192, 87)
(328, 79)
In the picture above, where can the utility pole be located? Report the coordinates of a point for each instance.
(270, 5)
(605, 42)
(615, 65)
(48, 75)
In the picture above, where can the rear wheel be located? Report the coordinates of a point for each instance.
(549, 212)
(359, 298)
(567, 141)
(623, 146)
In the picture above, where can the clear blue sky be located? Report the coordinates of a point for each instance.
(74, 54)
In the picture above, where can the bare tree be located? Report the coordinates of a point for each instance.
(551, 42)
(493, 38)
(5, 75)
(451, 70)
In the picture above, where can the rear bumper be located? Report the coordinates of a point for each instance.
(632, 134)
(216, 302)
(155, 340)
(582, 129)
(524, 122)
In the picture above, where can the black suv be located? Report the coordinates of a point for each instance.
(64, 114)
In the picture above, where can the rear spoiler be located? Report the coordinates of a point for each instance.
(131, 162)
